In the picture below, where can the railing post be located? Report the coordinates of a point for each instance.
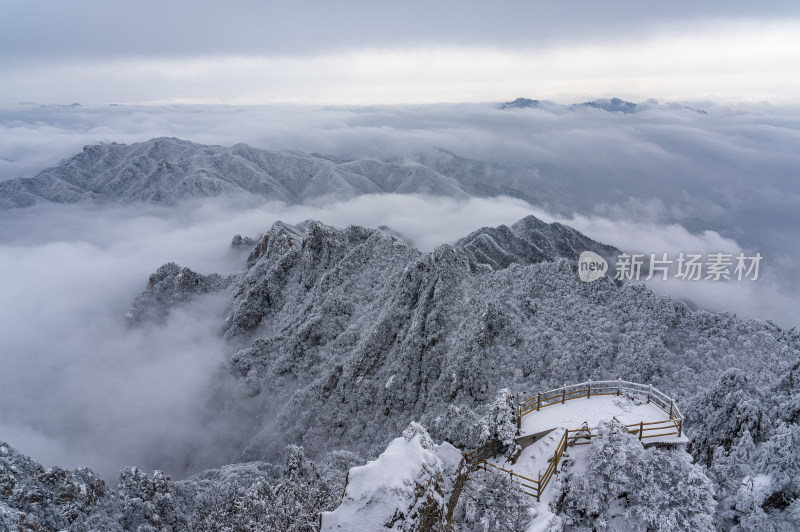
(671, 406)
(539, 487)
(680, 427)
(641, 429)
(564, 394)
(619, 385)
(538, 401)
(589, 390)
(649, 391)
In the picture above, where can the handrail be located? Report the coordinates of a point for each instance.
(595, 388)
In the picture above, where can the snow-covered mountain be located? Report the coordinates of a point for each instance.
(364, 334)
(343, 337)
(528, 241)
(166, 170)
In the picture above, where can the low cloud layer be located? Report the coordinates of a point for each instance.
(78, 387)
(733, 170)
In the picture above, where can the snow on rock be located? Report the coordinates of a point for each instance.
(34, 498)
(403, 489)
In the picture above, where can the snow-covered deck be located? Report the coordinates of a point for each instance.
(534, 459)
(591, 410)
(555, 422)
(552, 422)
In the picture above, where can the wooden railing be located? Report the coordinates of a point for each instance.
(594, 388)
(668, 427)
(487, 450)
(535, 486)
(478, 458)
(526, 483)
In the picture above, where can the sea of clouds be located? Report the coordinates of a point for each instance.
(78, 387)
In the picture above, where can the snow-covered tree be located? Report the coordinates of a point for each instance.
(627, 486)
(491, 501)
(499, 421)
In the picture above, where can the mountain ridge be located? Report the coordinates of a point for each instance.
(355, 333)
(167, 170)
(343, 337)
(610, 105)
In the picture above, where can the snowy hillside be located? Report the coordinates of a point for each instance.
(338, 314)
(166, 170)
(406, 487)
(363, 334)
(528, 241)
(341, 338)
(257, 496)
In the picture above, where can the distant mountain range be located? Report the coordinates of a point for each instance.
(612, 105)
(166, 170)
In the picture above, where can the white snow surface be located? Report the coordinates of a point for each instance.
(535, 458)
(384, 488)
(573, 414)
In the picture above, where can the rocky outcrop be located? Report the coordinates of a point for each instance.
(169, 286)
(33, 498)
(406, 488)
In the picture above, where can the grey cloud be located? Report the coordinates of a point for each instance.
(50, 28)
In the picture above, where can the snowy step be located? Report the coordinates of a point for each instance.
(530, 439)
(534, 459)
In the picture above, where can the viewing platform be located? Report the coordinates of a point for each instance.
(550, 422)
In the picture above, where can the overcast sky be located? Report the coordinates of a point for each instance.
(97, 51)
